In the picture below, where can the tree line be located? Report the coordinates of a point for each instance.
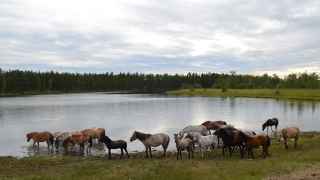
(18, 81)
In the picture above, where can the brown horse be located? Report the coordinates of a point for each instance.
(38, 137)
(290, 133)
(80, 139)
(214, 125)
(255, 141)
(95, 133)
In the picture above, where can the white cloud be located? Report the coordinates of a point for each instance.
(161, 36)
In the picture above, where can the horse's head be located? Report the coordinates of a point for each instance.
(264, 125)
(134, 136)
(29, 136)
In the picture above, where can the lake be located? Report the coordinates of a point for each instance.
(121, 114)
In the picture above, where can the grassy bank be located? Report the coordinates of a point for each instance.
(298, 94)
(281, 162)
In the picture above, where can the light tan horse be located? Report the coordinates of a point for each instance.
(290, 133)
(95, 133)
(152, 140)
(38, 137)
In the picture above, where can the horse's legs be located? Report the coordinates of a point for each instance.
(121, 153)
(147, 155)
(295, 142)
(125, 149)
(285, 142)
(150, 152)
(109, 153)
(164, 150)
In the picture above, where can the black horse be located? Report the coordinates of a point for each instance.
(269, 123)
(232, 138)
(119, 144)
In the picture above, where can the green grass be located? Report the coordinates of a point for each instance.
(281, 161)
(298, 94)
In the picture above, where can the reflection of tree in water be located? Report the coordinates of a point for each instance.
(300, 108)
(1, 118)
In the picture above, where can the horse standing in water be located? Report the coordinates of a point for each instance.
(94, 133)
(269, 123)
(78, 138)
(38, 137)
(119, 144)
(152, 140)
(290, 133)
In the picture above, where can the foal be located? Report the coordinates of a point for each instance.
(38, 137)
(205, 142)
(119, 144)
(184, 143)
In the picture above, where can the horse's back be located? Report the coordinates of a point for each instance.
(158, 139)
(290, 132)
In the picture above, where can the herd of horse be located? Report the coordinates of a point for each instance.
(204, 137)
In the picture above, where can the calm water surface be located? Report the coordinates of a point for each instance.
(122, 114)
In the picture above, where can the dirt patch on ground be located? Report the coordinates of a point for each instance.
(306, 174)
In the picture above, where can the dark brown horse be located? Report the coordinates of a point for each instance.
(255, 141)
(231, 138)
(118, 144)
(38, 137)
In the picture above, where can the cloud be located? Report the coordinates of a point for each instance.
(161, 36)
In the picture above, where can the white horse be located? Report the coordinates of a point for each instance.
(152, 140)
(184, 142)
(198, 129)
(205, 142)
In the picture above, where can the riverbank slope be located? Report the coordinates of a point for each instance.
(297, 94)
(281, 162)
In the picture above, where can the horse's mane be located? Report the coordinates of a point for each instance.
(142, 136)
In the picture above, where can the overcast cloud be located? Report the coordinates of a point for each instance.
(174, 36)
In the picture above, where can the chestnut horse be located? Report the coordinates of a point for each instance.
(290, 133)
(255, 141)
(95, 133)
(38, 137)
(214, 125)
(78, 138)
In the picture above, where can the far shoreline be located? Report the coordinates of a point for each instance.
(279, 94)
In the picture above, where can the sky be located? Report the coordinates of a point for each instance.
(162, 36)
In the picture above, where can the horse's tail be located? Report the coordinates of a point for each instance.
(166, 144)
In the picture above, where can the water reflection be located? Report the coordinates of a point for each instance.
(122, 114)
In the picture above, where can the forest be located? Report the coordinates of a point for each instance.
(20, 82)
